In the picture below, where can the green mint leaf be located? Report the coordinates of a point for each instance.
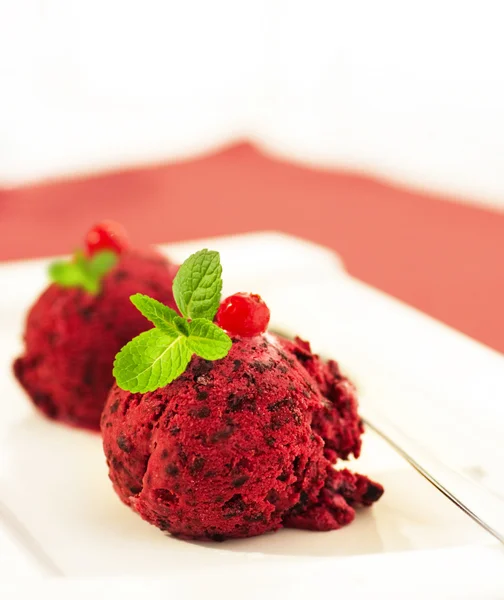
(198, 284)
(157, 313)
(208, 340)
(88, 282)
(82, 272)
(72, 275)
(90, 285)
(80, 260)
(150, 361)
(101, 263)
(65, 274)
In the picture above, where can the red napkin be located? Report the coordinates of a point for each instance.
(442, 257)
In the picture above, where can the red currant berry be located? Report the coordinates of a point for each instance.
(243, 314)
(106, 235)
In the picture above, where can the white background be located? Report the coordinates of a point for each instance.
(412, 90)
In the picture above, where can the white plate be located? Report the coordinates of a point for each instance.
(59, 515)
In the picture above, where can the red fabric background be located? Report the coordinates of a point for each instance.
(442, 257)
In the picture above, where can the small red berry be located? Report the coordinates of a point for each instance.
(106, 235)
(243, 314)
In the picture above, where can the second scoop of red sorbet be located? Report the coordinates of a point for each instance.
(72, 337)
(235, 448)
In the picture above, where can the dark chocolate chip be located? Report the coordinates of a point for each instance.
(373, 493)
(296, 509)
(272, 497)
(251, 379)
(222, 435)
(114, 407)
(254, 518)
(135, 489)
(262, 367)
(301, 505)
(46, 403)
(164, 454)
(197, 466)
(237, 364)
(86, 312)
(233, 507)
(165, 496)
(279, 404)
(124, 444)
(302, 356)
(174, 430)
(283, 477)
(278, 421)
(155, 286)
(163, 524)
(288, 359)
(238, 403)
(202, 367)
(120, 275)
(182, 455)
(172, 470)
(270, 441)
(244, 463)
(116, 464)
(345, 488)
(202, 395)
(201, 413)
(239, 481)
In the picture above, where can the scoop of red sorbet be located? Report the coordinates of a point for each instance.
(71, 337)
(239, 446)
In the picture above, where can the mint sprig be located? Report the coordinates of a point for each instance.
(158, 356)
(83, 272)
